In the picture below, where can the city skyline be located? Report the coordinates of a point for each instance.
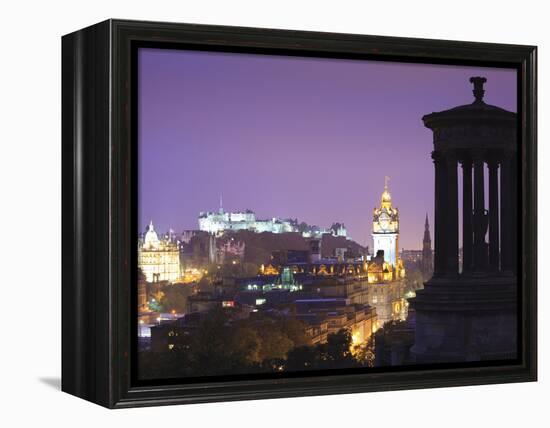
(293, 137)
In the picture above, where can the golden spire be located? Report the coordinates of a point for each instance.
(386, 197)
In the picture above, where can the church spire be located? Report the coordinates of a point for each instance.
(427, 237)
(427, 255)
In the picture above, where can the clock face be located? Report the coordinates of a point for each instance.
(384, 221)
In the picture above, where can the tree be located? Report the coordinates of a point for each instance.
(295, 330)
(336, 353)
(338, 347)
(275, 345)
(365, 354)
(210, 343)
(303, 358)
(167, 364)
(245, 346)
(205, 284)
(174, 297)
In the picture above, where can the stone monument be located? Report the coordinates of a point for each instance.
(468, 310)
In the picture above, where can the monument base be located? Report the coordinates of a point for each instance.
(464, 319)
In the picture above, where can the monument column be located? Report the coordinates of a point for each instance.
(467, 231)
(506, 213)
(480, 215)
(452, 215)
(440, 242)
(494, 245)
(513, 212)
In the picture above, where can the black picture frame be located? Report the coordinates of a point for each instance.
(99, 215)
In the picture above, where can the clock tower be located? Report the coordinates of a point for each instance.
(385, 227)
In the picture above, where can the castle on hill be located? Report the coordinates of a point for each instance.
(221, 221)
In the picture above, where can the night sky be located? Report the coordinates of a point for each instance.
(294, 137)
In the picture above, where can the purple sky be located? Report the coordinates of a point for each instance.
(294, 137)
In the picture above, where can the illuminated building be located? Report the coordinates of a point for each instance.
(380, 270)
(338, 314)
(191, 275)
(159, 260)
(338, 229)
(386, 270)
(269, 270)
(285, 281)
(385, 228)
(221, 221)
(385, 234)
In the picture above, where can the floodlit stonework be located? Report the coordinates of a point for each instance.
(385, 228)
(158, 259)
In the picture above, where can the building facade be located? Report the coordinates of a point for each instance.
(159, 260)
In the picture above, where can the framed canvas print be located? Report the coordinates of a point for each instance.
(252, 213)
